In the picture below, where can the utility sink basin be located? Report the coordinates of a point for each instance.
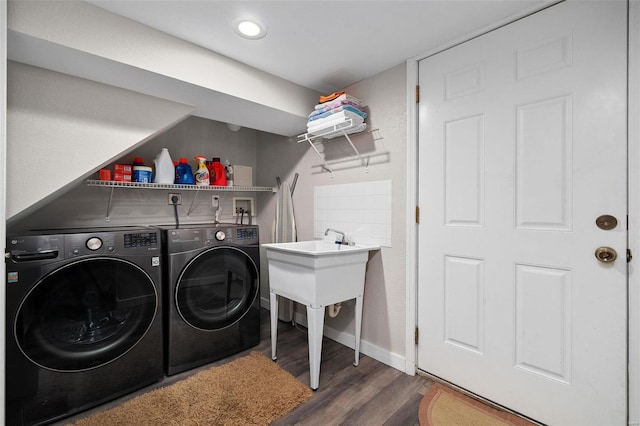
(319, 248)
(316, 274)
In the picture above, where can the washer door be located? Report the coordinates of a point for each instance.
(86, 314)
(217, 288)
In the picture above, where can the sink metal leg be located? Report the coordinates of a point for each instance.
(315, 319)
(358, 328)
(274, 323)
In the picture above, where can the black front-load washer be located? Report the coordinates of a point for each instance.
(212, 293)
(84, 321)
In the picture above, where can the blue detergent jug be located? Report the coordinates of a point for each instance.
(184, 174)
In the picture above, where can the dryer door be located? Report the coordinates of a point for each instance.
(86, 314)
(217, 288)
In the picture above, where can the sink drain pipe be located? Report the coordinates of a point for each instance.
(334, 309)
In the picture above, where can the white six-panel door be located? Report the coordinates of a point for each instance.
(522, 145)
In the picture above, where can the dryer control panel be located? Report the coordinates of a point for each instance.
(196, 236)
(249, 234)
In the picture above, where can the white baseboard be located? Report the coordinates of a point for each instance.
(376, 352)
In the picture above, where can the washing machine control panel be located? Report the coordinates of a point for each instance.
(111, 242)
(141, 239)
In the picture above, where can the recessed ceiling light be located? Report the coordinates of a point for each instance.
(250, 28)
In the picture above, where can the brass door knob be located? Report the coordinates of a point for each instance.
(606, 254)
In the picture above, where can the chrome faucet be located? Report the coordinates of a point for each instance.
(341, 240)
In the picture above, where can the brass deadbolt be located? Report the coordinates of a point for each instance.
(606, 222)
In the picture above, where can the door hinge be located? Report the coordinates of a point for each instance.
(417, 335)
(417, 94)
(629, 256)
(417, 214)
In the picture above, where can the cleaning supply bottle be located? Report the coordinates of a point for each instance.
(164, 170)
(229, 168)
(212, 172)
(221, 174)
(184, 174)
(202, 174)
(140, 172)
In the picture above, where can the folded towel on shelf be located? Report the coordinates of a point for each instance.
(338, 117)
(342, 97)
(324, 114)
(335, 104)
(334, 119)
(332, 96)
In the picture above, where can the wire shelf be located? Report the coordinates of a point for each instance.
(138, 185)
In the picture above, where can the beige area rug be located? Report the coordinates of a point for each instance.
(251, 390)
(443, 406)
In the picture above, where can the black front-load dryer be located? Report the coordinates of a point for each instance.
(212, 293)
(84, 321)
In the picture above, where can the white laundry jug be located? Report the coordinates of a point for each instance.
(164, 172)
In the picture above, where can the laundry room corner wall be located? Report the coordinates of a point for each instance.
(61, 128)
(383, 326)
(84, 206)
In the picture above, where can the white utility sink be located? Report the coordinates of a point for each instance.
(319, 248)
(316, 274)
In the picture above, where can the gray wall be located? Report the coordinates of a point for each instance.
(85, 206)
(62, 128)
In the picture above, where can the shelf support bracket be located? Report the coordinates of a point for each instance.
(108, 218)
(362, 160)
(192, 203)
(325, 165)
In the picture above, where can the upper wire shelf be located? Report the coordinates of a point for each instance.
(344, 129)
(138, 185)
(114, 184)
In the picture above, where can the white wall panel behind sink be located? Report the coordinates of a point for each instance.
(362, 210)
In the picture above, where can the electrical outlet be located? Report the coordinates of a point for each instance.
(173, 200)
(215, 201)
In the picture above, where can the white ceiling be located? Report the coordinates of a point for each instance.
(323, 45)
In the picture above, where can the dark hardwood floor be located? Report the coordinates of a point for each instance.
(370, 394)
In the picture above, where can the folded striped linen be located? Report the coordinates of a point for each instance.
(332, 96)
(334, 119)
(343, 97)
(335, 104)
(338, 117)
(338, 109)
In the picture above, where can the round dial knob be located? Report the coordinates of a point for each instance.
(220, 236)
(94, 243)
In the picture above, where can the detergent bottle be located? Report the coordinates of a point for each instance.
(202, 174)
(184, 174)
(221, 173)
(164, 170)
